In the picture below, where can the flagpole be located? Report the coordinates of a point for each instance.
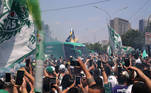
(39, 63)
(34, 9)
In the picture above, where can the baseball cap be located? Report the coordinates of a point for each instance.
(49, 69)
(3, 91)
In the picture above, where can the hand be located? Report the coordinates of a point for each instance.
(23, 86)
(80, 85)
(23, 69)
(57, 82)
(92, 67)
(31, 85)
(101, 65)
(87, 60)
(24, 83)
(140, 73)
(81, 63)
(24, 60)
(56, 74)
(72, 85)
(13, 83)
(101, 58)
(106, 58)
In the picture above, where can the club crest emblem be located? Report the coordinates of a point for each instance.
(13, 17)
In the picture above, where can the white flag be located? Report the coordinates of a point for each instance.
(17, 33)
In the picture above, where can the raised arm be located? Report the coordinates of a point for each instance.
(89, 77)
(142, 76)
(105, 78)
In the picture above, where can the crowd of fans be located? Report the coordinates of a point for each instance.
(93, 74)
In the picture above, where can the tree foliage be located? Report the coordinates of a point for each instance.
(134, 39)
(97, 47)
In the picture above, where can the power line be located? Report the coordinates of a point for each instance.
(139, 9)
(144, 9)
(75, 6)
(106, 12)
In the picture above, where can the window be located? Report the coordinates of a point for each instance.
(69, 50)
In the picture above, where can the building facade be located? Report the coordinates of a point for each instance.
(143, 25)
(121, 26)
(47, 33)
(104, 42)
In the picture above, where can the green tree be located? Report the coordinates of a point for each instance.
(134, 39)
(97, 47)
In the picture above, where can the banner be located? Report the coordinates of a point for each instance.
(17, 33)
(127, 49)
(115, 41)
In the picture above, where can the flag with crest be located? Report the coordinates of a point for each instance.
(17, 32)
(115, 41)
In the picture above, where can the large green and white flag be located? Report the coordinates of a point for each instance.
(17, 33)
(127, 49)
(115, 41)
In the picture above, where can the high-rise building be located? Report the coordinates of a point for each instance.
(104, 42)
(47, 33)
(143, 25)
(121, 26)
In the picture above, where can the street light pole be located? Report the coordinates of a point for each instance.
(106, 12)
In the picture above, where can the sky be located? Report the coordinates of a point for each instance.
(90, 23)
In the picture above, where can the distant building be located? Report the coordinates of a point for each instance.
(47, 33)
(142, 25)
(104, 42)
(121, 26)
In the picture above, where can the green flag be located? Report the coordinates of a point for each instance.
(115, 41)
(17, 32)
(144, 54)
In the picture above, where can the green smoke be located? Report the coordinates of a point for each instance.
(34, 9)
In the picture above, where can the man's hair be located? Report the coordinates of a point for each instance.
(96, 87)
(2, 85)
(96, 73)
(66, 81)
(140, 87)
(99, 82)
(73, 90)
(46, 84)
(107, 70)
(147, 73)
(122, 79)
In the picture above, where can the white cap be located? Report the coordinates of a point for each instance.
(62, 67)
(53, 68)
(125, 73)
